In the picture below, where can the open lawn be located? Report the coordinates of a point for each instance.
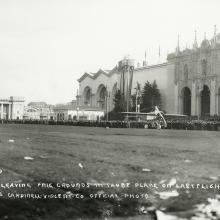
(61, 155)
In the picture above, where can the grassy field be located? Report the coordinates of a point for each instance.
(61, 155)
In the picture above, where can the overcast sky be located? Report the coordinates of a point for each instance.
(46, 45)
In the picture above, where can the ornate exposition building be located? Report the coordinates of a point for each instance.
(189, 81)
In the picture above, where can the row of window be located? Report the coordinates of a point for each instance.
(60, 117)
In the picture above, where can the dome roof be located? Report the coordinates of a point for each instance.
(205, 44)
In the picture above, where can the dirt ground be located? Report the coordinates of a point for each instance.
(45, 160)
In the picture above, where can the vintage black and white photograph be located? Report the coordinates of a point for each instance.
(110, 110)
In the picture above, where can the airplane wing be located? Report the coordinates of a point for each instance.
(176, 115)
(138, 113)
(155, 113)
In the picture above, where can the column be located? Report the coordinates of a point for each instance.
(176, 98)
(92, 99)
(193, 99)
(9, 111)
(111, 101)
(217, 102)
(180, 104)
(1, 110)
(12, 117)
(79, 101)
(198, 103)
(212, 98)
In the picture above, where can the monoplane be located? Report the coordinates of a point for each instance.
(155, 115)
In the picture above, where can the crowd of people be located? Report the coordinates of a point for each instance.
(187, 124)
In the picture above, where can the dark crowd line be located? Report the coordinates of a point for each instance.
(210, 124)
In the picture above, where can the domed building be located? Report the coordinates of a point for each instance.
(189, 81)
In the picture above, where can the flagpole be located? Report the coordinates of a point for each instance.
(106, 100)
(159, 55)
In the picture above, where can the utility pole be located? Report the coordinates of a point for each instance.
(107, 107)
(128, 97)
(136, 98)
(106, 101)
(136, 107)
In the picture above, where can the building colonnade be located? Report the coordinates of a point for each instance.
(5, 110)
(198, 97)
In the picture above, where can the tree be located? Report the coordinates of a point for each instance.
(150, 96)
(119, 106)
(156, 96)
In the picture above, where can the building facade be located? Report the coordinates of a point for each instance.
(197, 78)
(75, 113)
(38, 111)
(189, 81)
(12, 108)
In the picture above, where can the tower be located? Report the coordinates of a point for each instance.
(214, 39)
(145, 59)
(159, 55)
(126, 68)
(215, 30)
(195, 44)
(178, 45)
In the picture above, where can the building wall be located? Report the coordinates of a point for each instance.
(94, 85)
(192, 70)
(65, 114)
(5, 109)
(60, 114)
(90, 115)
(17, 108)
(158, 73)
(38, 111)
(31, 113)
(196, 69)
(170, 90)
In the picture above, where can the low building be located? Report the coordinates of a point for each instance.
(74, 112)
(38, 111)
(12, 108)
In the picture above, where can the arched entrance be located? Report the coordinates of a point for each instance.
(87, 96)
(101, 95)
(205, 101)
(186, 94)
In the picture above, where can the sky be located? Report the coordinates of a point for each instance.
(46, 45)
